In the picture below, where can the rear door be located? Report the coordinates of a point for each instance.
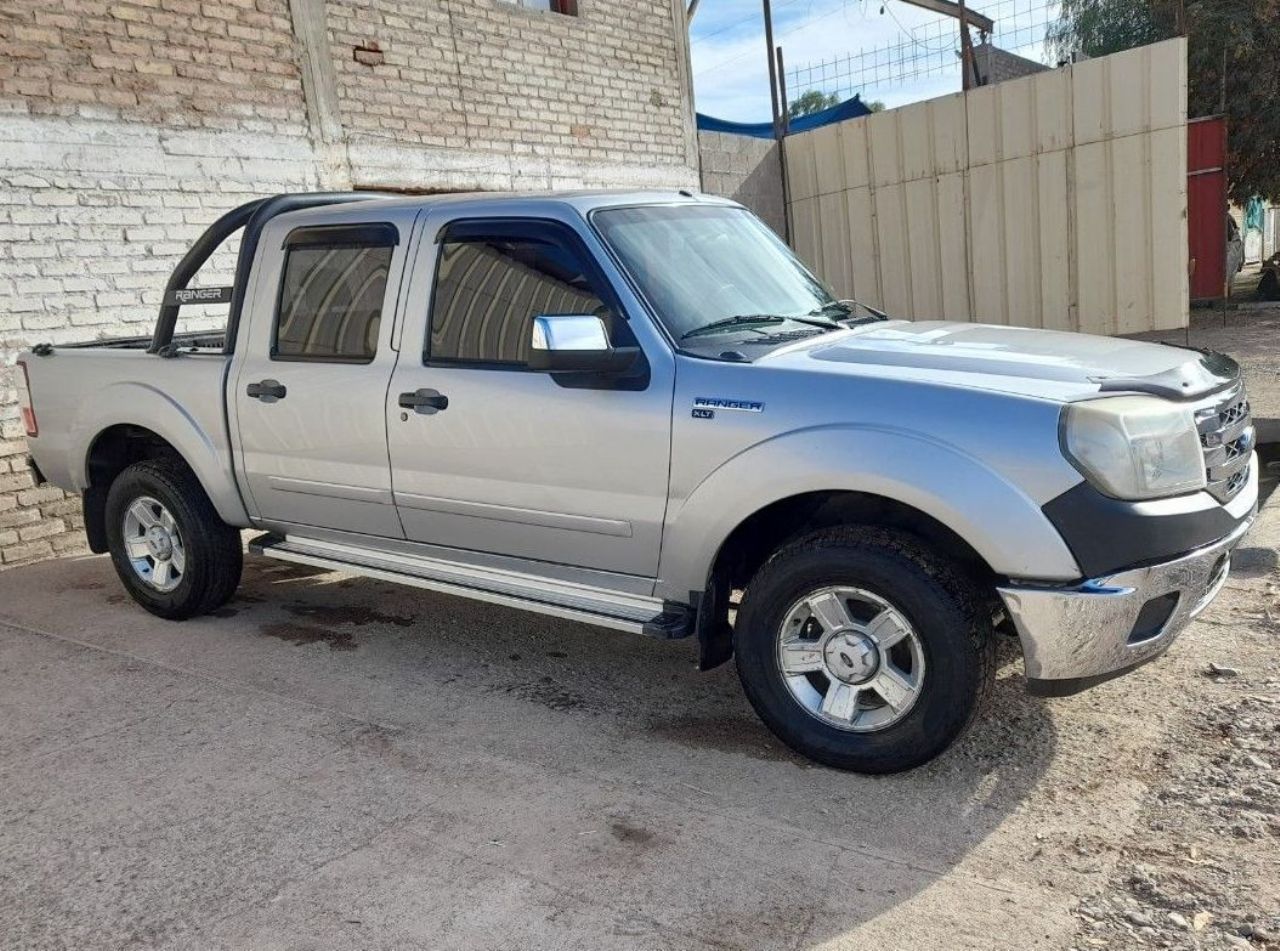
(517, 462)
(310, 393)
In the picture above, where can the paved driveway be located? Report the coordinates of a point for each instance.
(339, 763)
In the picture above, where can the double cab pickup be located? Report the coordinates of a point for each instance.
(641, 411)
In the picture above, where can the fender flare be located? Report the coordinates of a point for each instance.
(152, 409)
(988, 511)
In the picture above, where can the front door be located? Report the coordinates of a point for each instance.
(511, 461)
(310, 393)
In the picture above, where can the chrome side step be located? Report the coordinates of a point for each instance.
(622, 612)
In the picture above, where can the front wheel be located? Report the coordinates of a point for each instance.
(862, 650)
(173, 553)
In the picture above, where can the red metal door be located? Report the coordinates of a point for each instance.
(1207, 206)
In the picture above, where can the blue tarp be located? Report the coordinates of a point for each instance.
(849, 109)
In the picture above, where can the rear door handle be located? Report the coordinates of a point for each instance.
(267, 389)
(424, 401)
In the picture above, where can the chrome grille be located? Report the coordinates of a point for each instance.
(1227, 438)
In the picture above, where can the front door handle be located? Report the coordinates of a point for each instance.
(267, 389)
(424, 401)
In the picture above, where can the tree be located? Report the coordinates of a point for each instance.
(1233, 60)
(811, 101)
(815, 100)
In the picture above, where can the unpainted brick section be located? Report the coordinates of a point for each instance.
(227, 64)
(602, 86)
(747, 170)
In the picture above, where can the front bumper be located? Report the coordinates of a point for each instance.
(1074, 637)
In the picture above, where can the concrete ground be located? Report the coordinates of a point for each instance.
(339, 763)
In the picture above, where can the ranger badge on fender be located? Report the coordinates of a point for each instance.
(712, 403)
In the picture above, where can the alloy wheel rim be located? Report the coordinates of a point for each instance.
(153, 544)
(850, 659)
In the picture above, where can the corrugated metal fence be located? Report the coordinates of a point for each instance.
(1057, 200)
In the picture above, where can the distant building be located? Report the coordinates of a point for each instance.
(994, 65)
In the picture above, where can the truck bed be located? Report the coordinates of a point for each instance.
(198, 341)
(78, 391)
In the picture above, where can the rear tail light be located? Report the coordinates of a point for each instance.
(24, 400)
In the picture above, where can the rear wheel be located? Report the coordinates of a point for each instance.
(862, 650)
(173, 553)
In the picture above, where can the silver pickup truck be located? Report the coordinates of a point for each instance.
(640, 411)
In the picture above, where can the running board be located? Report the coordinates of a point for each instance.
(575, 602)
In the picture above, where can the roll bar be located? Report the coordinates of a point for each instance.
(252, 217)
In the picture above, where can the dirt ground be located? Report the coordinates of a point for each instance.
(1248, 333)
(337, 763)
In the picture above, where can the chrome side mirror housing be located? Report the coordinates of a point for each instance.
(576, 343)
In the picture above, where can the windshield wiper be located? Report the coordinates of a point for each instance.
(742, 319)
(848, 307)
(734, 321)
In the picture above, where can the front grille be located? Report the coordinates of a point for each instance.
(1227, 438)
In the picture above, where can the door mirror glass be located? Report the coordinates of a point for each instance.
(576, 343)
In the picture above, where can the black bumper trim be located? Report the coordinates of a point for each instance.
(1107, 535)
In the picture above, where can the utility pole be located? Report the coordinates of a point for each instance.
(784, 107)
(785, 112)
(968, 76)
(774, 53)
(773, 69)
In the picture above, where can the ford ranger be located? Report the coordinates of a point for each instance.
(641, 411)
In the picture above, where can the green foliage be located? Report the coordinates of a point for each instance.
(1102, 27)
(813, 100)
(1233, 60)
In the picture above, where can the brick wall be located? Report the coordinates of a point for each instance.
(496, 77)
(128, 126)
(94, 216)
(747, 170)
(222, 65)
(995, 65)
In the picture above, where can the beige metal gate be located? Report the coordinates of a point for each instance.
(1057, 200)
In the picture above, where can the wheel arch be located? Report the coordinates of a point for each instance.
(759, 534)
(762, 532)
(113, 449)
(966, 506)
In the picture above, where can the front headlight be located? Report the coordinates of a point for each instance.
(1134, 447)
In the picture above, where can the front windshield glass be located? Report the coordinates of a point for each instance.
(702, 264)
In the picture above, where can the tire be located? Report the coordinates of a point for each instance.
(167, 491)
(888, 583)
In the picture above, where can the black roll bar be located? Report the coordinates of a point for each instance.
(252, 217)
(191, 262)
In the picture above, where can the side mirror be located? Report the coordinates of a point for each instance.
(576, 343)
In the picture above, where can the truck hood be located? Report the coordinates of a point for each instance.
(1021, 360)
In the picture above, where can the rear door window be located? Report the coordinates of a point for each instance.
(332, 293)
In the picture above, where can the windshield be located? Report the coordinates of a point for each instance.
(704, 264)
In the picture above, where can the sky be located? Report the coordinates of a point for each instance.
(730, 72)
